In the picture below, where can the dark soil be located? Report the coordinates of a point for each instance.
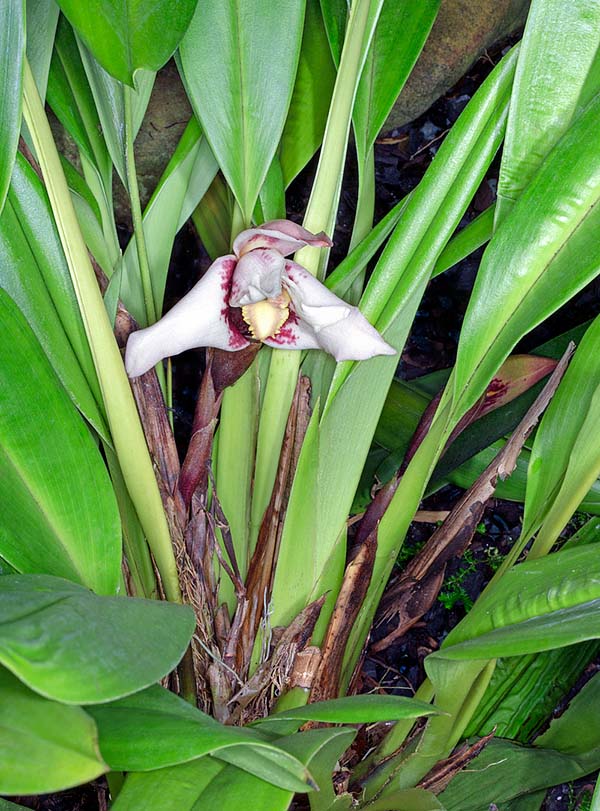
(401, 161)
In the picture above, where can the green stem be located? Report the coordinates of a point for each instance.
(365, 205)
(320, 215)
(126, 430)
(363, 219)
(136, 210)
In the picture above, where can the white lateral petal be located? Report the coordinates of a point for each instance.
(353, 338)
(340, 329)
(199, 319)
(280, 235)
(257, 277)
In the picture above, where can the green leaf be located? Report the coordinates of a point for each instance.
(542, 254)
(175, 788)
(34, 273)
(71, 99)
(74, 646)
(183, 184)
(12, 51)
(126, 430)
(505, 771)
(58, 512)
(558, 50)
(238, 63)
(537, 605)
(109, 97)
(358, 391)
(128, 35)
(175, 732)
(41, 20)
(5, 805)
(335, 18)
(307, 115)
(565, 459)
(230, 789)
(467, 240)
(412, 799)
(401, 32)
(365, 709)
(204, 783)
(44, 746)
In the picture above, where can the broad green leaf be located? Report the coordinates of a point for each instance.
(238, 62)
(335, 18)
(358, 391)
(401, 32)
(569, 749)
(542, 254)
(213, 218)
(536, 605)
(175, 732)
(58, 512)
(128, 35)
(44, 746)
(109, 97)
(183, 184)
(411, 799)
(204, 783)
(175, 788)
(74, 646)
(525, 690)
(12, 51)
(5, 805)
(307, 115)
(126, 431)
(271, 198)
(505, 771)
(42, 17)
(559, 48)
(71, 99)
(565, 458)
(361, 709)
(230, 789)
(33, 272)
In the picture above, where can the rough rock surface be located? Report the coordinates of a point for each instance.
(463, 30)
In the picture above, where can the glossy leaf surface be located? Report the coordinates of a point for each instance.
(74, 646)
(12, 51)
(542, 254)
(126, 35)
(176, 732)
(204, 783)
(183, 184)
(558, 51)
(45, 746)
(238, 64)
(358, 390)
(537, 605)
(401, 32)
(34, 273)
(565, 458)
(307, 115)
(41, 21)
(58, 513)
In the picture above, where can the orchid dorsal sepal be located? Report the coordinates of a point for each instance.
(257, 294)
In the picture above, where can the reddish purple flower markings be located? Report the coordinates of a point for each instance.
(275, 300)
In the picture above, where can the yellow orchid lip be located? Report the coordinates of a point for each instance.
(265, 318)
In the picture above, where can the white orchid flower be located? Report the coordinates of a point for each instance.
(257, 294)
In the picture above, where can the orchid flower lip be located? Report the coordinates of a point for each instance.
(257, 294)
